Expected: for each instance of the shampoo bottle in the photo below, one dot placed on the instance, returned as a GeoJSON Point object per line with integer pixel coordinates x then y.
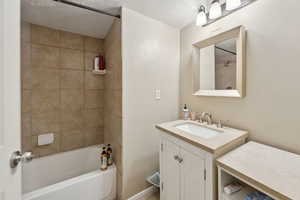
{"type": "Point", "coordinates": [101, 63]}
{"type": "Point", "coordinates": [103, 160]}
{"type": "Point", "coordinates": [96, 63]}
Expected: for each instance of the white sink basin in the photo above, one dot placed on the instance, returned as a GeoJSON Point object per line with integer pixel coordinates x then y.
{"type": "Point", "coordinates": [198, 130]}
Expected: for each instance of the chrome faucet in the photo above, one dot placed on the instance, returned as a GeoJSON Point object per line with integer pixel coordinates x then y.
{"type": "Point", "coordinates": [206, 117]}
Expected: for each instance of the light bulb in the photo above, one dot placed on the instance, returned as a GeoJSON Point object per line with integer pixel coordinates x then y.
{"type": "Point", "coordinates": [201, 17]}
{"type": "Point", "coordinates": [233, 4]}
{"type": "Point", "coordinates": [215, 10]}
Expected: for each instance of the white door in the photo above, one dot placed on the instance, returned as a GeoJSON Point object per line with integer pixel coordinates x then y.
{"type": "Point", "coordinates": [10, 120]}
{"type": "Point", "coordinates": [170, 171]}
{"type": "Point", "coordinates": [192, 176]}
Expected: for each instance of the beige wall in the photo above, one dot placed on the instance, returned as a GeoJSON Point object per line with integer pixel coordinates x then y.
{"type": "Point", "coordinates": [59, 92]}
{"type": "Point", "coordinates": [150, 52]}
{"type": "Point", "coordinates": [113, 97]}
{"type": "Point", "coordinates": [270, 110]}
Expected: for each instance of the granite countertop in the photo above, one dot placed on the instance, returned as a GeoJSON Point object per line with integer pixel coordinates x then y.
{"type": "Point", "coordinates": [214, 144]}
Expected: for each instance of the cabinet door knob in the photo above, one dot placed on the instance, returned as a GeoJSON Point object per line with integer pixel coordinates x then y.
{"type": "Point", "coordinates": [176, 157]}
{"type": "Point", "coordinates": [180, 160]}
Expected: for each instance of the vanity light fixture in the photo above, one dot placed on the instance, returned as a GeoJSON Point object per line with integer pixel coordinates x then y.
{"type": "Point", "coordinates": [215, 10]}
{"type": "Point", "coordinates": [218, 10]}
{"type": "Point", "coordinates": [233, 4]}
{"type": "Point", "coordinates": [201, 17]}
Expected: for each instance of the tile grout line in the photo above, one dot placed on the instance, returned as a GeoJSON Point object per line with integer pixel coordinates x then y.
{"type": "Point", "coordinates": [60, 46]}
{"type": "Point", "coordinates": [59, 96]}
{"type": "Point", "coordinates": [84, 94]}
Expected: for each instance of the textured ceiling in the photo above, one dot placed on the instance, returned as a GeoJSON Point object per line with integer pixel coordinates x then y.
{"type": "Point", "coordinates": [177, 13]}
{"type": "Point", "coordinates": [67, 18]}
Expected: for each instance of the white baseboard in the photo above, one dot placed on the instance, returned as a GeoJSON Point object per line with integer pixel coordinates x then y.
{"type": "Point", "coordinates": [143, 195]}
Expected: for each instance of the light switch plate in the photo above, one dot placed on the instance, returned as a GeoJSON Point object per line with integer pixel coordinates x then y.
{"type": "Point", "coordinates": [157, 94]}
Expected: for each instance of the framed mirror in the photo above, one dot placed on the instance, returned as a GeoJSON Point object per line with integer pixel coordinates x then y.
{"type": "Point", "coordinates": [219, 65]}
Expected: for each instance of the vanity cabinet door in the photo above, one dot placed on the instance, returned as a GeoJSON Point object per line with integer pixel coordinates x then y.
{"type": "Point", "coordinates": [192, 176]}
{"type": "Point", "coordinates": [170, 171]}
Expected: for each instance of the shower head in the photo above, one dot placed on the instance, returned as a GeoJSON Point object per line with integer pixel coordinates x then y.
{"type": "Point", "coordinates": [227, 63]}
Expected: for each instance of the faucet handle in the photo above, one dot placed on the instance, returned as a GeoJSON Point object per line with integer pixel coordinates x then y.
{"type": "Point", "coordinates": [220, 125]}
{"type": "Point", "coordinates": [209, 115]}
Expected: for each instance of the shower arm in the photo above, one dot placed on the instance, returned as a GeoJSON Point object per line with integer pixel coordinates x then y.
{"type": "Point", "coordinates": [87, 8]}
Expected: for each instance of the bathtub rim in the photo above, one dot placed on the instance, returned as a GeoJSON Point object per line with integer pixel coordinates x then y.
{"type": "Point", "coordinates": [66, 183]}
{"type": "Point", "coordinates": [64, 166]}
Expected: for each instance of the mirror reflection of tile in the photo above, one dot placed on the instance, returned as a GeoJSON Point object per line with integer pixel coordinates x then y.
{"type": "Point", "coordinates": [218, 66]}
{"type": "Point", "coordinates": [225, 65]}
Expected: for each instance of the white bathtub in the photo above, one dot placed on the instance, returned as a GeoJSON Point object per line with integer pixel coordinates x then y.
{"type": "Point", "coordinates": [72, 175]}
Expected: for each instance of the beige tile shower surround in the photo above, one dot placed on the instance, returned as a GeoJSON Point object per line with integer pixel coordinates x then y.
{"type": "Point", "coordinates": [113, 97]}
{"type": "Point", "coordinates": [59, 92]}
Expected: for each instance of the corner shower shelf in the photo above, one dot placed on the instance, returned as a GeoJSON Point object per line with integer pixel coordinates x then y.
{"type": "Point", "coordinates": [99, 72]}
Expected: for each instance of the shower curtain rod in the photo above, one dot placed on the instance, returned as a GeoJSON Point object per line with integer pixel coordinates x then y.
{"type": "Point", "coordinates": [86, 7]}
{"type": "Point", "coordinates": [226, 50]}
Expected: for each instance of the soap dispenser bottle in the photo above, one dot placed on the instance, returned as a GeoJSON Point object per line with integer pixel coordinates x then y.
{"type": "Point", "coordinates": [185, 112]}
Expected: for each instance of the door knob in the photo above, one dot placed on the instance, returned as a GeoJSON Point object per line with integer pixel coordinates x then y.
{"type": "Point", "coordinates": [18, 157]}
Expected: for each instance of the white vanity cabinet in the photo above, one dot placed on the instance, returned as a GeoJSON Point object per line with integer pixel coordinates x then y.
{"type": "Point", "coordinates": [170, 171]}
{"type": "Point", "coordinates": [188, 160]}
{"type": "Point", "coordinates": [185, 171]}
